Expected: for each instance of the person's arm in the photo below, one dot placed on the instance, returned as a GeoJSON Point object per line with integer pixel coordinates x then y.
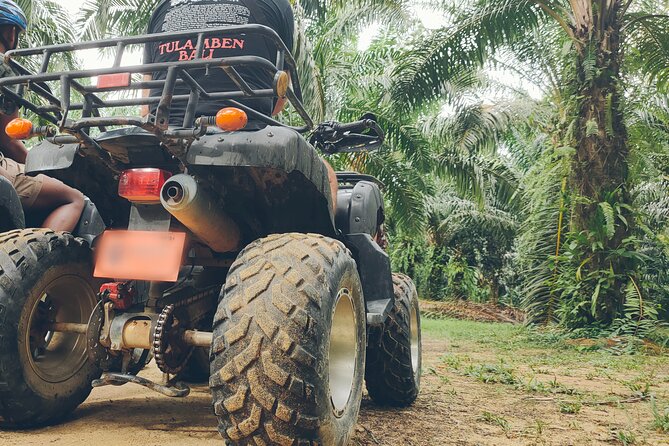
{"type": "Point", "coordinates": [145, 94]}
{"type": "Point", "coordinates": [11, 148]}
{"type": "Point", "coordinates": [147, 58]}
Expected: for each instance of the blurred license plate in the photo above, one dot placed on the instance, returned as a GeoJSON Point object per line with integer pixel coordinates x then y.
{"type": "Point", "coordinates": [140, 255]}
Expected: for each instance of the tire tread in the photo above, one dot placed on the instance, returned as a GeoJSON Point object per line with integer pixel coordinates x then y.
{"type": "Point", "coordinates": [262, 399]}
{"type": "Point", "coordinates": [21, 253]}
{"type": "Point", "coordinates": [389, 373]}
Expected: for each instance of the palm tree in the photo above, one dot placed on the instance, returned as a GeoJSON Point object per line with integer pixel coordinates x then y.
{"type": "Point", "coordinates": [48, 23]}
{"type": "Point", "coordinates": [598, 34]}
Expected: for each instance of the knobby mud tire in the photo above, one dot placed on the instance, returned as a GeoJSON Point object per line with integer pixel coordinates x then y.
{"type": "Point", "coordinates": [391, 375]}
{"type": "Point", "coordinates": [270, 356]}
{"type": "Point", "coordinates": [32, 262]}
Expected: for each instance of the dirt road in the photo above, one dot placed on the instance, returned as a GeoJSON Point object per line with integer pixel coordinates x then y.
{"type": "Point", "coordinates": [132, 415]}
{"type": "Point", "coordinates": [480, 387]}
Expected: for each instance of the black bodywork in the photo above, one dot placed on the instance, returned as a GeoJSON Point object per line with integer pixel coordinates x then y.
{"type": "Point", "coordinates": [269, 180]}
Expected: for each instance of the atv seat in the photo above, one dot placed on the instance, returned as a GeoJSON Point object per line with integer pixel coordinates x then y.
{"type": "Point", "coordinates": [133, 145]}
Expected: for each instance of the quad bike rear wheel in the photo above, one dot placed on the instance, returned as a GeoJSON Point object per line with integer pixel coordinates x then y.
{"type": "Point", "coordinates": [45, 277]}
{"type": "Point", "coordinates": [289, 344]}
{"type": "Point", "coordinates": [394, 356]}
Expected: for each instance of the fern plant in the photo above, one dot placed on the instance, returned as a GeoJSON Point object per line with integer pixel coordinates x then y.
{"type": "Point", "coordinates": [639, 316]}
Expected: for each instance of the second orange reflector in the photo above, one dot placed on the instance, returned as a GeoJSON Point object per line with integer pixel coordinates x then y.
{"type": "Point", "coordinates": [231, 119]}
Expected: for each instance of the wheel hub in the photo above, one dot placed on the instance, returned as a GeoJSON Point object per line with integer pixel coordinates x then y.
{"type": "Point", "coordinates": [414, 339]}
{"type": "Point", "coordinates": [55, 356]}
{"type": "Point", "coordinates": [343, 352]}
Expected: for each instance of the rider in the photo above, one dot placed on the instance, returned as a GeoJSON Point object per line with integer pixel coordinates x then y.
{"type": "Point", "coordinates": [182, 15]}
{"type": "Point", "coordinates": [39, 194]}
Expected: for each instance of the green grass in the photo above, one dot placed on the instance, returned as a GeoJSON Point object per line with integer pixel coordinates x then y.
{"type": "Point", "coordinates": [495, 420]}
{"type": "Point", "coordinates": [660, 417]}
{"type": "Point", "coordinates": [536, 348]}
{"type": "Point", "coordinates": [492, 373]}
{"type": "Point", "coordinates": [456, 330]}
{"type": "Point", "coordinates": [625, 438]}
{"type": "Point", "coordinates": [570, 407]}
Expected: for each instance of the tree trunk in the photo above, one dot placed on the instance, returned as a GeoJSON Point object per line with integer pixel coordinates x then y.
{"type": "Point", "coordinates": [601, 161]}
{"type": "Point", "coordinates": [494, 290]}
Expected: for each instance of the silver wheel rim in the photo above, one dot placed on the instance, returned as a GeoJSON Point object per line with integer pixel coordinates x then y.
{"type": "Point", "coordinates": [56, 356]}
{"type": "Point", "coordinates": [414, 339]}
{"type": "Point", "coordinates": [343, 352]}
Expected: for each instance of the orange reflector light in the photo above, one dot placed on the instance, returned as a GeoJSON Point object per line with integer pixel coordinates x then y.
{"type": "Point", "coordinates": [113, 80]}
{"type": "Point", "coordinates": [142, 185]}
{"type": "Point", "coordinates": [231, 119]}
{"type": "Point", "coordinates": [19, 128]}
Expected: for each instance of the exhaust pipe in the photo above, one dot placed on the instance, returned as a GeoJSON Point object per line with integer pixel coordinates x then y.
{"type": "Point", "coordinates": [199, 211]}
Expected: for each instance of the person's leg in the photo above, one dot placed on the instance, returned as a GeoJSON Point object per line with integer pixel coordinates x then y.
{"type": "Point", "coordinates": [63, 203]}
{"type": "Point", "coordinates": [334, 184]}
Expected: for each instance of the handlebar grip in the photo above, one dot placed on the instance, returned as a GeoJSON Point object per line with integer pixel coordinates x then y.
{"type": "Point", "coordinates": [353, 126]}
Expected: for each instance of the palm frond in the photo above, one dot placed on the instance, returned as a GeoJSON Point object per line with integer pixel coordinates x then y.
{"type": "Point", "coordinates": [648, 39]}
{"type": "Point", "coordinates": [101, 19]}
{"type": "Point", "coordinates": [464, 45]}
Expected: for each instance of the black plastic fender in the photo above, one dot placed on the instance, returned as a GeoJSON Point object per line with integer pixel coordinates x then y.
{"type": "Point", "coordinates": [90, 224]}
{"type": "Point", "coordinates": [46, 156]}
{"type": "Point", "coordinates": [11, 212]}
{"type": "Point", "coordinates": [375, 275]}
{"type": "Point", "coordinates": [359, 208]}
{"type": "Point", "coordinates": [360, 212]}
{"type": "Point", "coordinates": [270, 180]}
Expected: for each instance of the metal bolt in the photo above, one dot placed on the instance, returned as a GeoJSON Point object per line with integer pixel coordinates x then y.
{"type": "Point", "coordinates": [357, 219]}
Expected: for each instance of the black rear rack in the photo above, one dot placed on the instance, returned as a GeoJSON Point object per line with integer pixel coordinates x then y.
{"type": "Point", "coordinates": [56, 110]}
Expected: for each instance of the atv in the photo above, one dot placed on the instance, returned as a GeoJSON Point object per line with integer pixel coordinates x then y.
{"type": "Point", "coordinates": [213, 247]}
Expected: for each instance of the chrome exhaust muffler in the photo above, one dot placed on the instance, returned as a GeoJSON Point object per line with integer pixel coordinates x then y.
{"type": "Point", "coordinates": [198, 210]}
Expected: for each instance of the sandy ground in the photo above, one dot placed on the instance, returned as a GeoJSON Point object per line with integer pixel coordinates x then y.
{"type": "Point", "coordinates": [448, 412]}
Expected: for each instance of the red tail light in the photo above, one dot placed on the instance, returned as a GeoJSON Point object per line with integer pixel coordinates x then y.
{"type": "Point", "coordinates": [142, 185]}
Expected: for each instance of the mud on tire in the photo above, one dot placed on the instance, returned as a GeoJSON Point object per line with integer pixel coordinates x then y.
{"type": "Point", "coordinates": [392, 372]}
{"type": "Point", "coordinates": [43, 377]}
{"type": "Point", "coordinates": [272, 352]}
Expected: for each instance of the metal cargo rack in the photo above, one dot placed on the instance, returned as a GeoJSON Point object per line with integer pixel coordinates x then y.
{"type": "Point", "coordinates": [56, 110]}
